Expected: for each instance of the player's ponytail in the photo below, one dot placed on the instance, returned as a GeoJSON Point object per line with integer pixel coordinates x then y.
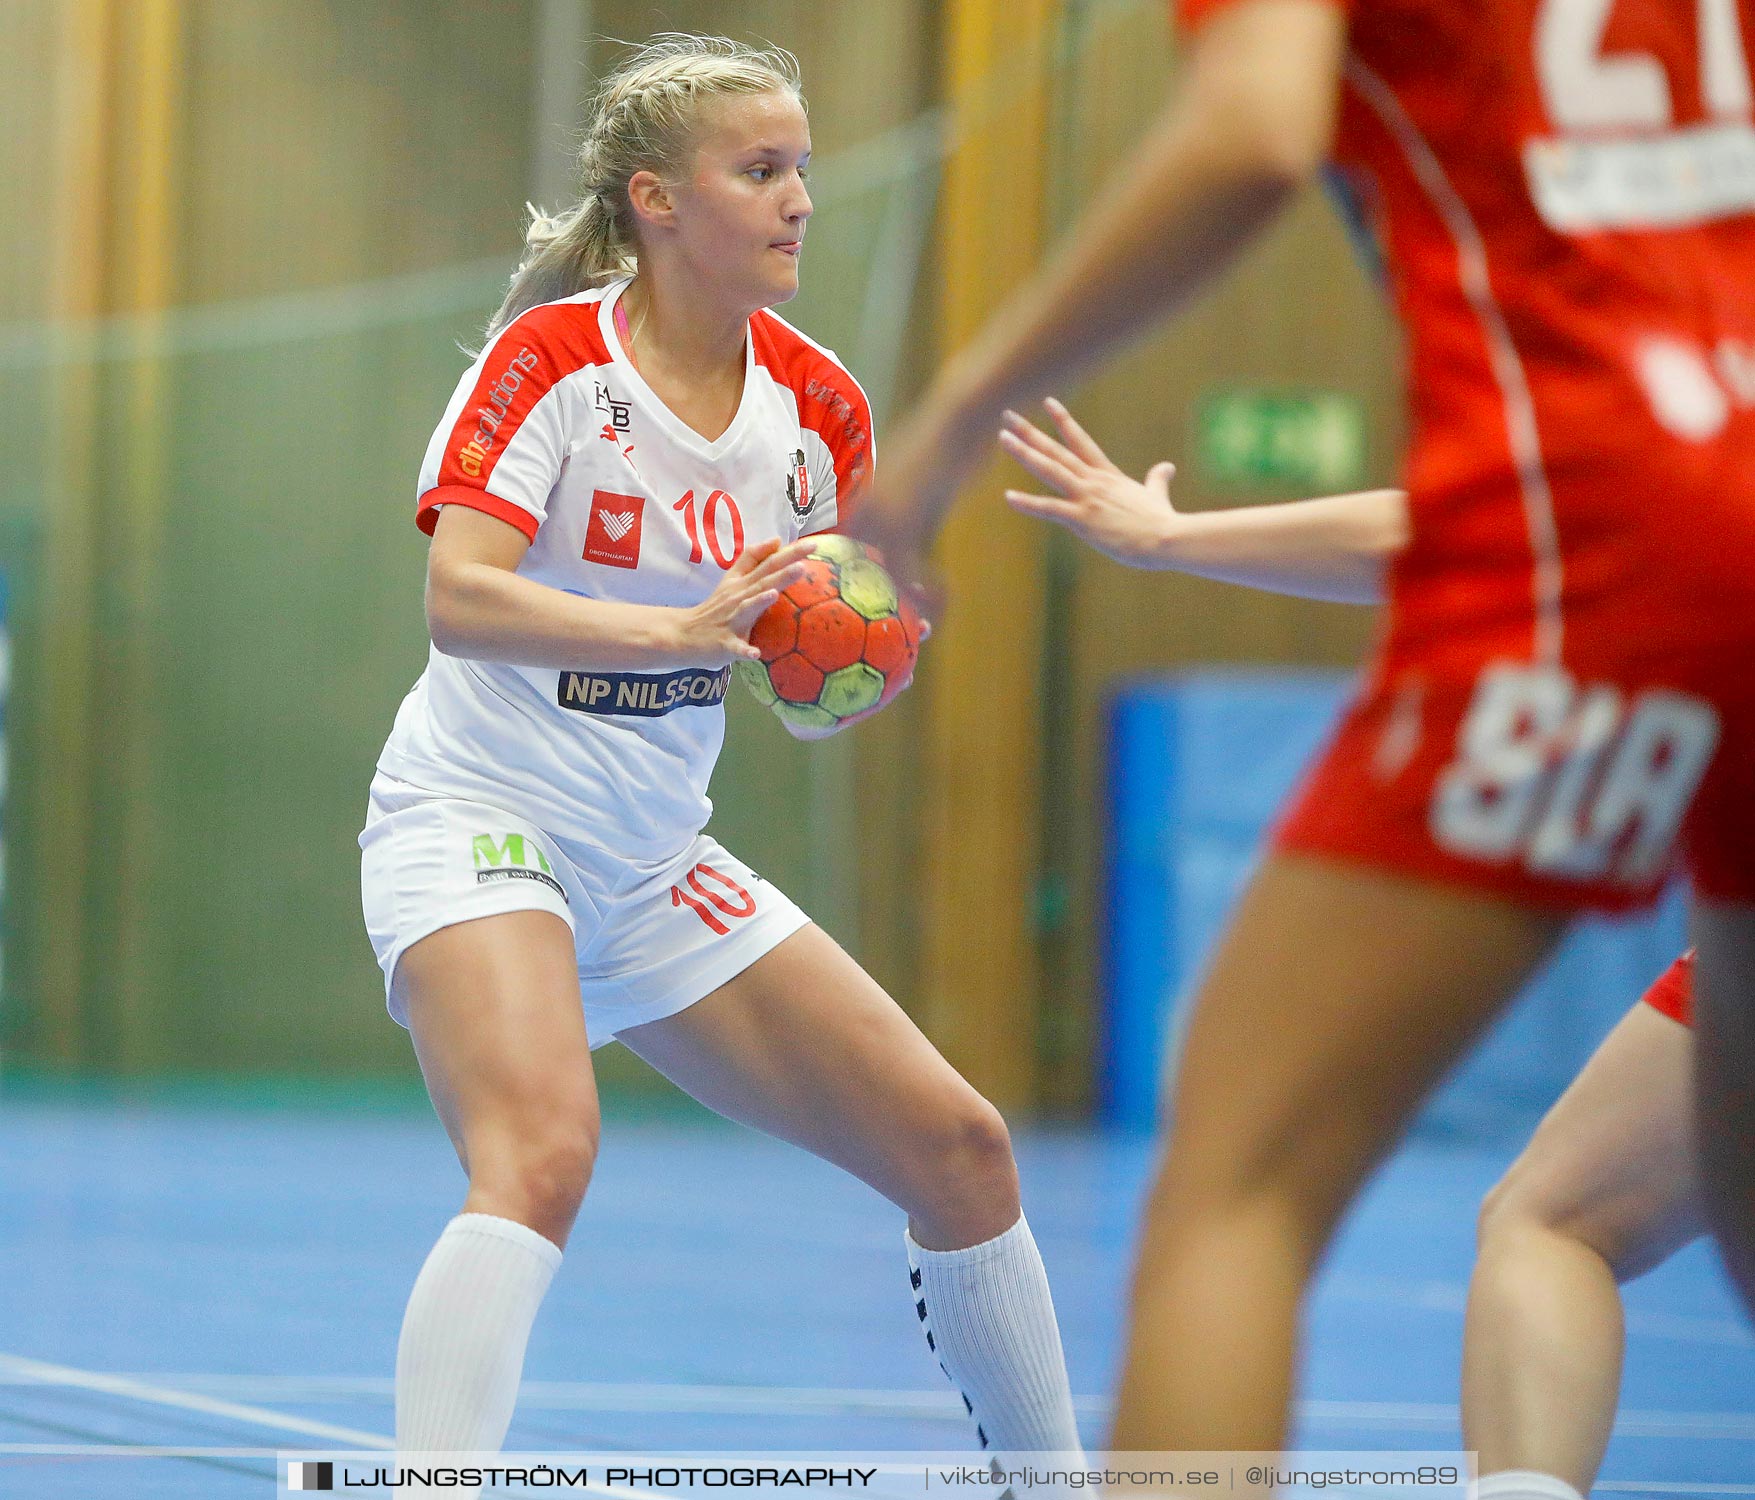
{"type": "Point", "coordinates": [643, 119]}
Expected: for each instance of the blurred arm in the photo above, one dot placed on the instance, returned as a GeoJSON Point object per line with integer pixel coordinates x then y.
{"type": "Point", "coordinates": [1250, 125]}
{"type": "Point", "coordinates": [1332, 548]}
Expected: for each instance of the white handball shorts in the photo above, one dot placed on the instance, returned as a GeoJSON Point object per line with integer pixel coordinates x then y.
{"type": "Point", "coordinates": [651, 939]}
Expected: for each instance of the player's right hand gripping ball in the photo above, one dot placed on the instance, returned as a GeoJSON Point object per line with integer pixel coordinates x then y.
{"type": "Point", "coordinates": [837, 645]}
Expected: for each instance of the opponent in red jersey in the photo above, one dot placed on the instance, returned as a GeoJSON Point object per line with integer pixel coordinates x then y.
{"type": "Point", "coordinates": [1565, 194]}
{"type": "Point", "coordinates": [1607, 1188]}
{"type": "Point", "coordinates": [1605, 1191]}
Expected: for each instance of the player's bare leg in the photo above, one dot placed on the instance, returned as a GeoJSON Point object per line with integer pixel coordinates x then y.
{"type": "Point", "coordinates": [493, 1006]}
{"type": "Point", "coordinates": [1605, 1190]}
{"type": "Point", "coordinates": [494, 1011]}
{"type": "Point", "coordinates": [806, 1046]}
{"type": "Point", "coordinates": [1724, 1027]}
{"type": "Point", "coordinates": [1337, 998]}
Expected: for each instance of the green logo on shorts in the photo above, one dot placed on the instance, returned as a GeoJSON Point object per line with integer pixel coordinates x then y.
{"type": "Point", "coordinates": [509, 859]}
{"type": "Point", "coordinates": [511, 849]}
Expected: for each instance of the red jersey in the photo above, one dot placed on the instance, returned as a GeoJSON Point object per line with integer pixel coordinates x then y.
{"type": "Point", "coordinates": [1564, 193]}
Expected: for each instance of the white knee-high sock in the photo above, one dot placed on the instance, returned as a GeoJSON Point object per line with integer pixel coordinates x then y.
{"type": "Point", "coordinates": [463, 1336]}
{"type": "Point", "coordinates": [989, 1320]}
{"type": "Point", "coordinates": [1525, 1484]}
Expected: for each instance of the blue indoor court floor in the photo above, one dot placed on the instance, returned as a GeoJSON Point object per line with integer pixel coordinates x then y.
{"type": "Point", "coordinates": [224, 1278]}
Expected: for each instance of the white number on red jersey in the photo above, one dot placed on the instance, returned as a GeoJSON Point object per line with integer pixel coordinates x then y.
{"type": "Point", "coordinates": [1619, 158]}
{"type": "Point", "coordinates": [1587, 90]}
{"type": "Point", "coordinates": [1572, 781]}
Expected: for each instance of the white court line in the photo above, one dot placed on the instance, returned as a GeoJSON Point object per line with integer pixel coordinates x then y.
{"type": "Point", "coordinates": [735, 1400]}
{"type": "Point", "coordinates": [1690, 1330]}
{"type": "Point", "coordinates": [1451, 1297]}
{"type": "Point", "coordinates": [127, 1450]}
{"type": "Point", "coordinates": [568, 1395]}
{"type": "Point", "coordinates": [584, 1396]}
{"type": "Point", "coordinates": [1439, 1415]}
{"type": "Point", "coordinates": [1671, 1487]}
{"type": "Point", "coordinates": [23, 1371]}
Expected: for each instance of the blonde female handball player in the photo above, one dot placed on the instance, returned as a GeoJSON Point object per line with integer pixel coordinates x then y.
{"type": "Point", "coordinates": [613, 495]}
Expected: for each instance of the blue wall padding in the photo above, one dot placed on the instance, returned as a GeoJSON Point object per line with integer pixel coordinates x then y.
{"type": "Point", "coordinates": [1198, 765]}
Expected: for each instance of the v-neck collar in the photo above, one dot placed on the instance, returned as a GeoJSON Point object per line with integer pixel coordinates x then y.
{"type": "Point", "coordinates": [677, 430]}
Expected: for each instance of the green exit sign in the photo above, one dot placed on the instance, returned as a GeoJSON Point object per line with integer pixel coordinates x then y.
{"type": "Point", "coordinates": [1279, 439]}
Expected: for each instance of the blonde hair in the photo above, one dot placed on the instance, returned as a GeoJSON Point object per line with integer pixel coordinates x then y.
{"type": "Point", "coordinates": [643, 119]}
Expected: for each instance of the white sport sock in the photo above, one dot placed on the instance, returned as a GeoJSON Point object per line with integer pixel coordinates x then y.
{"type": "Point", "coordinates": [463, 1336]}
{"type": "Point", "coordinates": [989, 1319]}
{"type": "Point", "coordinates": [1525, 1484]}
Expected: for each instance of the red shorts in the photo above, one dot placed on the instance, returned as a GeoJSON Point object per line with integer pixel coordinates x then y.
{"type": "Point", "coordinates": [1562, 711]}
{"type": "Point", "coordinates": [1673, 991]}
{"type": "Point", "coordinates": [1533, 784]}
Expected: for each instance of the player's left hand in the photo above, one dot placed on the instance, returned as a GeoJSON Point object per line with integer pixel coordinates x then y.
{"type": "Point", "coordinates": [1119, 516]}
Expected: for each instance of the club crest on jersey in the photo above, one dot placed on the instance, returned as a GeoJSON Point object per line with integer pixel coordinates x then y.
{"type": "Point", "coordinates": [798, 494]}
{"type": "Point", "coordinates": [612, 534]}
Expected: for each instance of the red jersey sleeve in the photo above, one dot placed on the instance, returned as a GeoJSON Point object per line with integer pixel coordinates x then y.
{"type": "Point", "coordinates": [500, 444]}
{"type": "Point", "coordinates": [839, 455]}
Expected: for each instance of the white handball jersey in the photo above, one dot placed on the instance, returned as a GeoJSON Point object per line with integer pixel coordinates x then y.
{"type": "Point", "coordinates": [553, 430]}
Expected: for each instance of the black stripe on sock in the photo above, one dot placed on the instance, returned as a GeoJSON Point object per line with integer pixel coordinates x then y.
{"type": "Point", "coordinates": [932, 1345]}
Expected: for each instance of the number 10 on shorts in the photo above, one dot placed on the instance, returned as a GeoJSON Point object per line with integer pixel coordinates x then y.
{"type": "Point", "coordinates": [715, 898]}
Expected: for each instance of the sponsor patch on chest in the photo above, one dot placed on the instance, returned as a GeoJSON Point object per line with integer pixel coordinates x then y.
{"type": "Point", "coordinates": [642, 695]}
{"type": "Point", "coordinates": [612, 534]}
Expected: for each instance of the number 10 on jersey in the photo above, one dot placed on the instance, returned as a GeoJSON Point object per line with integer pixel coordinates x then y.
{"type": "Point", "coordinates": [706, 521]}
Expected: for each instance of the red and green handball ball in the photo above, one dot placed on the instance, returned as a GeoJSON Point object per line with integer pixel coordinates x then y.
{"type": "Point", "coordinates": [837, 645]}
